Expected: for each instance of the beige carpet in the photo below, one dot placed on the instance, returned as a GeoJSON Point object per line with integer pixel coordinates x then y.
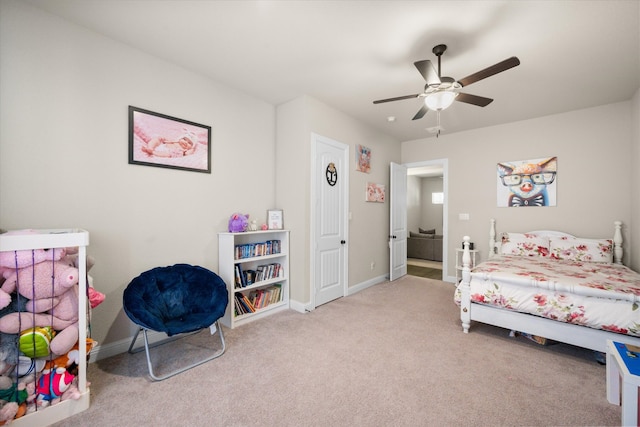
{"type": "Point", "coordinates": [391, 355]}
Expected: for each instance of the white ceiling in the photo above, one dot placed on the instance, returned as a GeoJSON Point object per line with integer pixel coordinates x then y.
{"type": "Point", "coordinates": [574, 54]}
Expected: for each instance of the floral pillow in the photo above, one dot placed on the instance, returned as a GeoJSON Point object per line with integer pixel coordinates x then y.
{"type": "Point", "coordinates": [585, 250]}
{"type": "Point", "coordinates": [527, 244]}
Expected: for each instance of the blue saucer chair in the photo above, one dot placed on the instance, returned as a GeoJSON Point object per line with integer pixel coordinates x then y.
{"type": "Point", "coordinates": [176, 300]}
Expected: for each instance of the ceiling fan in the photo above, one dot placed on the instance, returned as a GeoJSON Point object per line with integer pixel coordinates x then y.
{"type": "Point", "coordinates": [440, 92]}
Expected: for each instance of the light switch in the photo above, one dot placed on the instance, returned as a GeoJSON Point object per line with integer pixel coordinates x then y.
{"type": "Point", "coordinates": [463, 217]}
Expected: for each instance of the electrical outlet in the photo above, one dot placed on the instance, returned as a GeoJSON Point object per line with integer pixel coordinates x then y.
{"type": "Point", "coordinates": [373, 265]}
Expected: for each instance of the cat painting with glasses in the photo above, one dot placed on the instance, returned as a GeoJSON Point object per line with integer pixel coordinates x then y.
{"type": "Point", "coordinates": [527, 182]}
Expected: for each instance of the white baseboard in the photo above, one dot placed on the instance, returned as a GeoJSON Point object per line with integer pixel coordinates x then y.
{"type": "Point", "coordinates": [298, 306]}
{"type": "Point", "coordinates": [366, 284]}
{"type": "Point", "coordinates": [303, 307]}
{"type": "Point", "coordinates": [122, 346]}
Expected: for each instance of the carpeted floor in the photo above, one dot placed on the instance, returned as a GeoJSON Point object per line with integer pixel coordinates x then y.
{"type": "Point", "coordinates": [426, 272]}
{"type": "Point", "coordinates": [393, 354]}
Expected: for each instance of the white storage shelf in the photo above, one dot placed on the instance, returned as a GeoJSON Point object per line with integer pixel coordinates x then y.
{"type": "Point", "coordinates": [459, 252]}
{"type": "Point", "coordinates": [51, 239]}
{"type": "Point", "coordinates": [227, 262]}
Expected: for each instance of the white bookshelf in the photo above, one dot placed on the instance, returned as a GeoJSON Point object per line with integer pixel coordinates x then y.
{"type": "Point", "coordinates": [49, 239]}
{"type": "Point", "coordinates": [227, 263]}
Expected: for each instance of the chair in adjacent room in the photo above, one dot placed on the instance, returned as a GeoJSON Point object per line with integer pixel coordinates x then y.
{"type": "Point", "coordinates": [175, 300]}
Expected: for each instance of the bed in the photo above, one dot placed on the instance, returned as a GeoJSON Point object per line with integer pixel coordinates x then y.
{"type": "Point", "coordinates": [554, 285]}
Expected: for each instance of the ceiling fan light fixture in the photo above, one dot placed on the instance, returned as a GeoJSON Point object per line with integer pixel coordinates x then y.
{"type": "Point", "coordinates": [440, 100]}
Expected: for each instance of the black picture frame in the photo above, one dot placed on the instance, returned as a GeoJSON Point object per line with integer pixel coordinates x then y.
{"type": "Point", "coordinates": [160, 140]}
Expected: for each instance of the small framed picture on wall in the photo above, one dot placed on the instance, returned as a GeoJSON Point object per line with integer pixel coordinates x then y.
{"type": "Point", "coordinates": [274, 219]}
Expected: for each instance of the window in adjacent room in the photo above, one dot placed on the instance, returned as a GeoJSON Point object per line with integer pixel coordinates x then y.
{"type": "Point", "coordinates": [437, 198]}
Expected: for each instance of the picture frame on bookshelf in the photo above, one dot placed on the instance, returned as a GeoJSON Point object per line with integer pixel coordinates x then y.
{"type": "Point", "coordinates": [163, 141]}
{"type": "Point", "coordinates": [275, 219]}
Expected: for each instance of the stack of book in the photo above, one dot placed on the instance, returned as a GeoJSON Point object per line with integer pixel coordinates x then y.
{"type": "Point", "coordinates": [262, 272]}
{"type": "Point", "coordinates": [250, 250]}
{"type": "Point", "coordinates": [257, 299]}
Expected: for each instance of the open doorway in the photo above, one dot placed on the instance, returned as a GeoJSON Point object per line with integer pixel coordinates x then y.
{"type": "Point", "coordinates": [427, 219]}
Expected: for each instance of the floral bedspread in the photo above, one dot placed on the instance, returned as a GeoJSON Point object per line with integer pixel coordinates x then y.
{"type": "Point", "coordinates": [598, 295]}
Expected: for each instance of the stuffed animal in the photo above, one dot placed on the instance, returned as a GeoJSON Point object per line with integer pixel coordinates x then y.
{"type": "Point", "coordinates": [46, 279]}
{"type": "Point", "coordinates": [71, 359]}
{"type": "Point", "coordinates": [63, 317]}
{"type": "Point", "coordinates": [8, 352]}
{"type": "Point", "coordinates": [71, 259]}
{"type": "Point", "coordinates": [8, 412]}
{"type": "Point", "coordinates": [21, 259]}
{"type": "Point", "coordinates": [95, 297]}
{"type": "Point", "coordinates": [41, 283]}
{"type": "Point", "coordinates": [12, 392]}
{"type": "Point", "coordinates": [14, 397]}
{"type": "Point", "coordinates": [52, 385]}
{"type": "Point", "coordinates": [238, 223]}
{"type": "Point", "coordinates": [34, 342]}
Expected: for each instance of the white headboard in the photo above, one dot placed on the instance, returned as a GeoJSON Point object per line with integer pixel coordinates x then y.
{"type": "Point", "coordinates": [494, 244]}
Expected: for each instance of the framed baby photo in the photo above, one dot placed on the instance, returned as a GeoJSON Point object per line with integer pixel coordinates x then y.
{"type": "Point", "coordinates": [159, 140]}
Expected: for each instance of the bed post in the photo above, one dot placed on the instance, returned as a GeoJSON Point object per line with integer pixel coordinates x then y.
{"type": "Point", "coordinates": [492, 238]}
{"type": "Point", "coordinates": [617, 243]}
{"type": "Point", "coordinates": [465, 288]}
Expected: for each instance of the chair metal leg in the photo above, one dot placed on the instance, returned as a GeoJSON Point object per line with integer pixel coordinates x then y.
{"type": "Point", "coordinates": [147, 348]}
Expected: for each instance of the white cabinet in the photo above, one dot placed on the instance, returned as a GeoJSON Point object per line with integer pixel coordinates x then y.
{"type": "Point", "coordinates": [49, 239]}
{"type": "Point", "coordinates": [255, 267]}
{"type": "Point", "coordinates": [459, 252]}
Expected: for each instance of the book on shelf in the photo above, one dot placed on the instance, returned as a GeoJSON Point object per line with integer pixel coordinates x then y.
{"type": "Point", "coordinates": [257, 299]}
{"type": "Point", "coordinates": [240, 279]}
{"type": "Point", "coordinates": [250, 277]}
{"type": "Point", "coordinates": [251, 250]}
{"type": "Point", "coordinates": [268, 271]}
{"type": "Point", "coordinates": [243, 305]}
{"type": "Point", "coordinates": [261, 298]}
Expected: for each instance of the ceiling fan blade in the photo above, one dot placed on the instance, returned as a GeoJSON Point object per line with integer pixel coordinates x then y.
{"type": "Point", "coordinates": [398, 98]}
{"type": "Point", "coordinates": [421, 112]}
{"type": "Point", "coordinates": [480, 101]}
{"type": "Point", "coordinates": [425, 67]}
{"type": "Point", "coordinates": [490, 71]}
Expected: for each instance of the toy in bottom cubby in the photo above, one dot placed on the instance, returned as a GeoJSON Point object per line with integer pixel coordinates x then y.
{"type": "Point", "coordinates": [39, 327]}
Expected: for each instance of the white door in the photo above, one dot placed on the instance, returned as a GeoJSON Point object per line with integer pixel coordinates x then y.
{"type": "Point", "coordinates": [398, 222]}
{"type": "Point", "coordinates": [329, 221]}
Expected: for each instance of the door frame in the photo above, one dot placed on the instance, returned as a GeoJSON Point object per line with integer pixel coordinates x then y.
{"type": "Point", "coordinates": [445, 209]}
{"type": "Point", "coordinates": [315, 177]}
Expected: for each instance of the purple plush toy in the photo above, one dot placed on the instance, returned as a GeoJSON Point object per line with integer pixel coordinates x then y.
{"type": "Point", "coordinates": [238, 222]}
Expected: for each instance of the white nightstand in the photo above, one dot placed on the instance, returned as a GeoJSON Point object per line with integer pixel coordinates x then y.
{"type": "Point", "coordinates": [459, 252]}
{"type": "Point", "coordinates": [623, 365]}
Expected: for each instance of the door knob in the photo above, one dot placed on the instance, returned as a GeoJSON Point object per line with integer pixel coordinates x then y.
{"type": "Point", "coordinates": [342, 242]}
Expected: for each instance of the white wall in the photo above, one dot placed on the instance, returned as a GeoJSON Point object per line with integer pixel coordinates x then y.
{"type": "Point", "coordinates": [421, 212]}
{"type": "Point", "coordinates": [414, 203]}
{"type": "Point", "coordinates": [64, 153]}
{"type": "Point", "coordinates": [594, 184]}
{"type": "Point", "coordinates": [431, 213]}
{"type": "Point", "coordinates": [369, 228]}
{"type": "Point", "coordinates": [634, 253]}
